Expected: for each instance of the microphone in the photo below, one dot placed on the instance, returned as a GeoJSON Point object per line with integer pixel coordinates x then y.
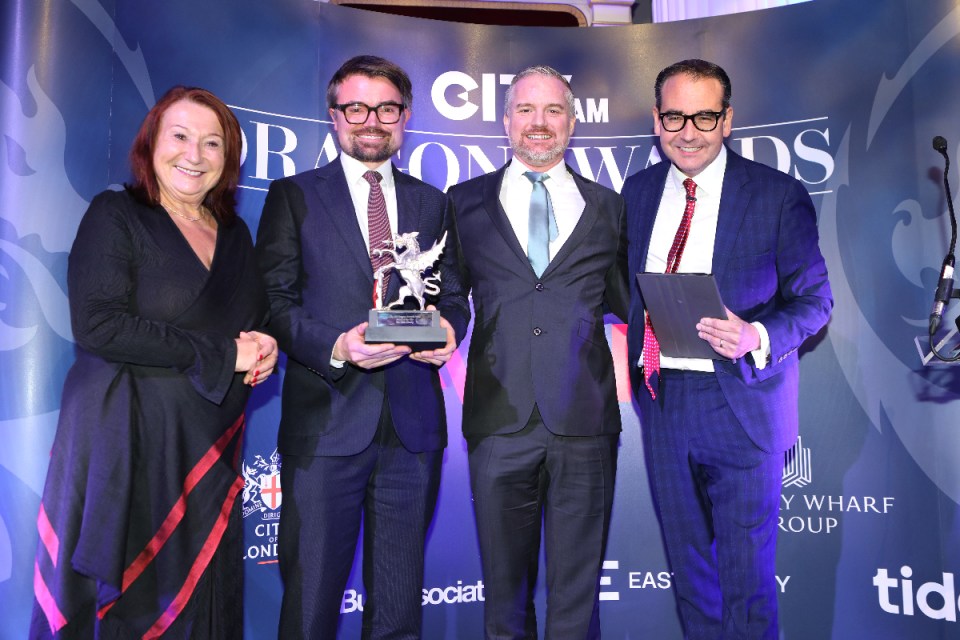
{"type": "Point", "coordinates": [944, 291]}
{"type": "Point", "coordinates": [940, 145]}
{"type": "Point", "coordinates": [945, 286]}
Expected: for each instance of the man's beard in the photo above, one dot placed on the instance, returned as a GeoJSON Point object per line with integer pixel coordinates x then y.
{"type": "Point", "coordinates": [538, 158]}
{"type": "Point", "coordinates": [367, 153]}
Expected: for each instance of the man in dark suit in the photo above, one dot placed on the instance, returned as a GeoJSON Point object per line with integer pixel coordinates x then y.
{"type": "Point", "coordinates": [715, 430]}
{"type": "Point", "coordinates": [363, 425]}
{"type": "Point", "coordinates": [544, 250]}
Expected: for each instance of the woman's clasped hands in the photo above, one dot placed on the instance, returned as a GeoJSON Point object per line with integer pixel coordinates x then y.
{"type": "Point", "coordinates": [256, 356]}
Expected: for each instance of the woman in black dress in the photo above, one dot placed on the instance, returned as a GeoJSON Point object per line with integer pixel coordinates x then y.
{"type": "Point", "coordinates": [140, 530]}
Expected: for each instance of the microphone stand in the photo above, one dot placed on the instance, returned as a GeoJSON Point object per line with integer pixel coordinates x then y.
{"type": "Point", "coordinates": [945, 290]}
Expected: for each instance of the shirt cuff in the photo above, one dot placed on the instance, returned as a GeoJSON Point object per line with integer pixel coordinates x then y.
{"type": "Point", "coordinates": [336, 364]}
{"type": "Point", "coordinates": [761, 355]}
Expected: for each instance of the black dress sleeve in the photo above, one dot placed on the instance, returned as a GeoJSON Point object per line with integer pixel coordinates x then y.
{"type": "Point", "coordinates": [102, 279]}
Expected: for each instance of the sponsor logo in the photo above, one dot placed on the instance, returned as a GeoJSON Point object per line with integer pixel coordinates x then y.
{"type": "Point", "coordinates": [610, 578]}
{"type": "Point", "coordinates": [903, 597]}
{"type": "Point", "coordinates": [818, 513]}
{"type": "Point", "coordinates": [261, 488]}
{"type": "Point", "coordinates": [262, 497]}
{"type": "Point", "coordinates": [797, 471]}
{"type": "Point", "coordinates": [458, 96]}
{"type": "Point", "coordinates": [459, 593]}
{"type": "Point", "coordinates": [454, 594]}
{"type": "Point", "coordinates": [644, 580]}
{"type": "Point", "coordinates": [352, 601]}
{"type": "Point", "coordinates": [606, 581]}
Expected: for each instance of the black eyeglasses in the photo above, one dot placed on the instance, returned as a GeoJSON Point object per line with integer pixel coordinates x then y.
{"type": "Point", "coordinates": [357, 112]}
{"type": "Point", "coordinates": [674, 121]}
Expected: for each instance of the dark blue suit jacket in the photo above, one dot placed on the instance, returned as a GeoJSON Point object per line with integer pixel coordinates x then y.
{"type": "Point", "coordinates": [768, 267]}
{"type": "Point", "coordinates": [320, 283]}
{"type": "Point", "coordinates": [541, 340]}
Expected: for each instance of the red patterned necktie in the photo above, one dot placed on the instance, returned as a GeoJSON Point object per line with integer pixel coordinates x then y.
{"type": "Point", "coordinates": [651, 346]}
{"type": "Point", "coordinates": [378, 225]}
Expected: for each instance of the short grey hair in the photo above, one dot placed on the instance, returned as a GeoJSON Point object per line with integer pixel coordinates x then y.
{"type": "Point", "coordinates": [540, 70]}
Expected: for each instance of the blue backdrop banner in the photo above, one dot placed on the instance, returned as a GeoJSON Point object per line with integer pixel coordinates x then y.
{"type": "Point", "coordinates": [845, 99]}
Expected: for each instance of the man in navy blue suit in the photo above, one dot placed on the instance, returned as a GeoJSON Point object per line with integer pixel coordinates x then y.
{"type": "Point", "coordinates": [544, 252]}
{"type": "Point", "coordinates": [715, 430]}
{"type": "Point", "coordinates": [363, 426]}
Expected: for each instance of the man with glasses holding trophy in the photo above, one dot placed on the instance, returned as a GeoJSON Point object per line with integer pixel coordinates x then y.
{"type": "Point", "coordinates": [715, 429]}
{"type": "Point", "coordinates": [363, 424]}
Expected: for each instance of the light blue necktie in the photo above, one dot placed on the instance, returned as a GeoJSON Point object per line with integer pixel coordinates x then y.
{"type": "Point", "coordinates": [542, 224]}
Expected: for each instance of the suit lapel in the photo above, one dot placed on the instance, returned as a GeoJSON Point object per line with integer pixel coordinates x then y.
{"type": "Point", "coordinates": [334, 195]}
{"type": "Point", "coordinates": [647, 207]}
{"type": "Point", "coordinates": [591, 210]}
{"type": "Point", "coordinates": [491, 202]}
{"type": "Point", "coordinates": [734, 201]}
{"type": "Point", "coordinates": [408, 204]}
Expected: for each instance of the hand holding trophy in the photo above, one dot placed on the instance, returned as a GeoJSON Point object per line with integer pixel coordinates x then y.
{"type": "Point", "coordinates": [419, 329]}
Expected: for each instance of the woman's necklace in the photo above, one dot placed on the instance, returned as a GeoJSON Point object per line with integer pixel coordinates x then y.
{"type": "Point", "coordinates": [203, 213]}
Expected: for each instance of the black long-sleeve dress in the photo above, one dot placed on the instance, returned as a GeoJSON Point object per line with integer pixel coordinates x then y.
{"type": "Point", "coordinates": [139, 524]}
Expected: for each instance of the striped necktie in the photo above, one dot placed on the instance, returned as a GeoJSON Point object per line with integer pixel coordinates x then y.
{"type": "Point", "coordinates": [651, 346]}
{"type": "Point", "coordinates": [378, 225]}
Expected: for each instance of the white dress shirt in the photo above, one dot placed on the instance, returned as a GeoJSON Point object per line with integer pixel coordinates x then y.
{"type": "Point", "coordinates": [353, 170]}
{"type": "Point", "coordinates": [698, 254]}
{"type": "Point", "coordinates": [565, 197]}
{"type": "Point", "coordinates": [359, 188]}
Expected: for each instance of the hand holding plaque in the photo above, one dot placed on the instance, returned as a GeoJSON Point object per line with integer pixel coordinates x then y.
{"type": "Point", "coordinates": [419, 329]}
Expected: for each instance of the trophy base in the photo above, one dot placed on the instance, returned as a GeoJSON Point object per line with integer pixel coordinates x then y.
{"type": "Point", "coordinates": [419, 330]}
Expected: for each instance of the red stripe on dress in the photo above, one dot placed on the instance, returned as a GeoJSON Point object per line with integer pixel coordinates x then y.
{"type": "Point", "coordinates": [48, 536]}
{"type": "Point", "coordinates": [50, 609]}
{"type": "Point", "coordinates": [200, 565]}
{"type": "Point", "coordinates": [621, 366]}
{"type": "Point", "coordinates": [173, 519]}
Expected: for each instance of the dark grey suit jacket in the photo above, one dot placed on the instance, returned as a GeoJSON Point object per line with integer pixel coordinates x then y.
{"type": "Point", "coordinates": [541, 340]}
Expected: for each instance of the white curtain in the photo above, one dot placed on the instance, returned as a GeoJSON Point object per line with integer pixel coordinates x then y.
{"type": "Point", "coordinates": [669, 10]}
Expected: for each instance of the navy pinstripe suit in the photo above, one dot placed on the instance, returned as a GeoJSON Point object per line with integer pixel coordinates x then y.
{"type": "Point", "coordinates": [715, 446]}
{"type": "Point", "coordinates": [353, 440]}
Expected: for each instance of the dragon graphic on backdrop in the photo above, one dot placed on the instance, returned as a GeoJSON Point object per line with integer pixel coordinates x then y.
{"type": "Point", "coordinates": [874, 346]}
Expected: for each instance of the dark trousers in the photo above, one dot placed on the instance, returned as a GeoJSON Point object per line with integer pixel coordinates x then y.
{"type": "Point", "coordinates": [518, 481]}
{"type": "Point", "coordinates": [394, 492]}
{"type": "Point", "coordinates": [718, 500]}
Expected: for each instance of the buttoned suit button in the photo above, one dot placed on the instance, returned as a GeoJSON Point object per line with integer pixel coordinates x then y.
{"type": "Point", "coordinates": [537, 331]}
{"type": "Point", "coordinates": [539, 286]}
